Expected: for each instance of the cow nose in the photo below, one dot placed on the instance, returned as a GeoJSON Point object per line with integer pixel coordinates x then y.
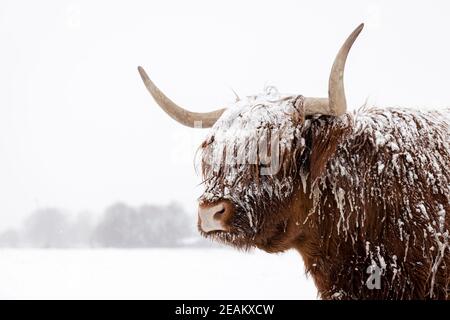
{"type": "Point", "coordinates": [216, 216]}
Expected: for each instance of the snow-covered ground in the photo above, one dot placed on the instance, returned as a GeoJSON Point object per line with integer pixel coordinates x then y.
{"type": "Point", "coordinates": [152, 274]}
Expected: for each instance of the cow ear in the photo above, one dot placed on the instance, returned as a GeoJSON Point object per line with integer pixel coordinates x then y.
{"type": "Point", "coordinates": [326, 135]}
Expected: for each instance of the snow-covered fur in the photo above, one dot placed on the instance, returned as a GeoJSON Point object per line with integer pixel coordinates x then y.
{"type": "Point", "coordinates": [366, 191]}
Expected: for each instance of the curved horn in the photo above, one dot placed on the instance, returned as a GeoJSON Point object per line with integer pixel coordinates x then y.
{"type": "Point", "coordinates": [183, 116]}
{"type": "Point", "coordinates": [336, 104]}
{"type": "Point", "coordinates": [336, 92]}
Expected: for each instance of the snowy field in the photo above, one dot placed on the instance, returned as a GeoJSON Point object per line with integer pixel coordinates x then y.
{"type": "Point", "coordinates": [152, 274]}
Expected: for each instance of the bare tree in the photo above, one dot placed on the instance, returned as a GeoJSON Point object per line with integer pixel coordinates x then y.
{"type": "Point", "coordinates": [9, 239]}
{"type": "Point", "coordinates": [47, 228]}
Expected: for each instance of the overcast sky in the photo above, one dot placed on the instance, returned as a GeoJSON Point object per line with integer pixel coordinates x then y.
{"type": "Point", "coordinates": [79, 131]}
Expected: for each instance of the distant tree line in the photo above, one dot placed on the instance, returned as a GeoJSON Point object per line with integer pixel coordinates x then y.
{"type": "Point", "coordinates": [120, 226]}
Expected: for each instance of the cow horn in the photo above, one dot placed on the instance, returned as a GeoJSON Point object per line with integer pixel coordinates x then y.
{"type": "Point", "coordinates": [183, 116]}
{"type": "Point", "coordinates": [336, 104]}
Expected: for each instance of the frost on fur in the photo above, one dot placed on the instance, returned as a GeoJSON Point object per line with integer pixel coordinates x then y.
{"type": "Point", "coordinates": [374, 186]}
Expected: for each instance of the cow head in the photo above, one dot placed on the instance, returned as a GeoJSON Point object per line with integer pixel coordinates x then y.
{"type": "Point", "coordinates": [252, 159]}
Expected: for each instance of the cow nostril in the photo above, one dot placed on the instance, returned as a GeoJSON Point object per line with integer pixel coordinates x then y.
{"type": "Point", "coordinates": [215, 217]}
{"type": "Point", "coordinates": [219, 213]}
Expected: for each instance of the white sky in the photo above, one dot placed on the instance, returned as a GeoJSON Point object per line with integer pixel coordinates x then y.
{"type": "Point", "coordinates": [79, 131]}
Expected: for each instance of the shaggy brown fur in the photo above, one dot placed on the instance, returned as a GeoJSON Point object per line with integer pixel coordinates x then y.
{"type": "Point", "coordinates": [365, 190]}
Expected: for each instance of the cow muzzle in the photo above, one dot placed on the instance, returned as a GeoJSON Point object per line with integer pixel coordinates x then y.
{"type": "Point", "coordinates": [215, 216]}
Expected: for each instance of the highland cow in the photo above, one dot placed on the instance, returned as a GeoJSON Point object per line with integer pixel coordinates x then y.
{"type": "Point", "coordinates": [363, 195]}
